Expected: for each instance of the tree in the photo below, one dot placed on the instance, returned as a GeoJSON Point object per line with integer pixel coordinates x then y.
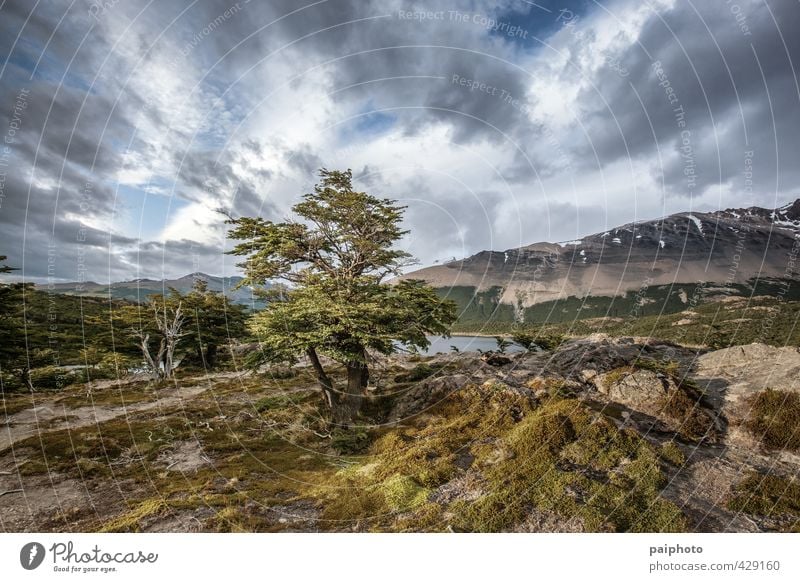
{"type": "Point", "coordinates": [524, 339]}
{"type": "Point", "coordinates": [5, 268]}
{"type": "Point", "coordinates": [502, 344]}
{"type": "Point", "coordinates": [334, 301]}
{"type": "Point", "coordinates": [162, 319]}
{"type": "Point", "coordinates": [211, 321]}
{"type": "Point", "coordinates": [15, 365]}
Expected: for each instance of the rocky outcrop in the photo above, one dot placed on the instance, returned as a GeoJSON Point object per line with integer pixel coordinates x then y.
{"type": "Point", "coordinates": [677, 407]}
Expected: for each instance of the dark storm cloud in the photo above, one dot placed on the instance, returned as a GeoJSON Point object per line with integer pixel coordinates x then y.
{"type": "Point", "coordinates": [737, 90]}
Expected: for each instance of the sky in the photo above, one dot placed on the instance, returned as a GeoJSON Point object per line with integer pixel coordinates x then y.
{"type": "Point", "coordinates": [128, 125]}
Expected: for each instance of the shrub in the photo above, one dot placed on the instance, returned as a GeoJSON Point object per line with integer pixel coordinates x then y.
{"type": "Point", "coordinates": [695, 424]}
{"type": "Point", "coordinates": [549, 341]}
{"type": "Point", "coordinates": [52, 378]}
{"type": "Point", "coordinates": [502, 344]}
{"type": "Point", "coordinates": [526, 340]}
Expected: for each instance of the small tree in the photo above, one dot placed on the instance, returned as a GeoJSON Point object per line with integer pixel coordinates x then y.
{"type": "Point", "coordinates": [502, 344]}
{"type": "Point", "coordinates": [334, 261]}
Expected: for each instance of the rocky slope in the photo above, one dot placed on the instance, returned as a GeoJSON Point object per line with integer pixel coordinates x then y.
{"type": "Point", "coordinates": [700, 410]}
{"type": "Point", "coordinates": [727, 247]}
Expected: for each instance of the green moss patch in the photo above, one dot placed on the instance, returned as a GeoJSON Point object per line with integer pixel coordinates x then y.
{"type": "Point", "coordinates": [771, 496]}
{"type": "Point", "coordinates": [774, 419]}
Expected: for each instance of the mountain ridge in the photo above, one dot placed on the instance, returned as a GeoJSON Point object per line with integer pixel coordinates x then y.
{"type": "Point", "coordinates": [731, 246]}
{"type": "Point", "coordinates": [140, 288]}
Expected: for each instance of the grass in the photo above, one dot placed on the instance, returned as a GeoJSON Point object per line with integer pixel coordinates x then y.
{"type": "Point", "coordinates": [774, 419]}
{"type": "Point", "coordinates": [131, 520]}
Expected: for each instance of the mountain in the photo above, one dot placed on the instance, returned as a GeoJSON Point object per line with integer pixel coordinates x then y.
{"type": "Point", "coordinates": [140, 289]}
{"type": "Point", "coordinates": [656, 264]}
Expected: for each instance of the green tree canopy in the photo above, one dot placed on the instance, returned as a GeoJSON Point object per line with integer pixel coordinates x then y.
{"type": "Point", "coordinates": [211, 321]}
{"type": "Point", "coordinates": [333, 261]}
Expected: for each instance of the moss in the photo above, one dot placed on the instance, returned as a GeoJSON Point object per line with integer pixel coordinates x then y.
{"type": "Point", "coordinates": [616, 375]}
{"type": "Point", "coordinates": [685, 407]}
{"type": "Point", "coordinates": [403, 493]}
{"type": "Point", "coordinates": [131, 520]}
{"type": "Point", "coordinates": [12, 404]}
{"type": "Point", "coordinates": [352, 501]}
{"type": "Point", "coordinates": [429, 517]}
{"type": "Point", "coordinates": [274, 402]}
{"type": "Point", "coordinates": [769, 495]}
{"type": "Point", "coordinates": [241, 518]}
{"type": "Point", "coordinates": [611, 479]}
{"type": "Point", "coordinates": [350, 441]}
{"type": "Point", "coordinates": [774, 418]}
{"type": "Point", "coordinates": [91, 468]}
{"type": "Point", "coordinates": [416, 459]}
{"type": "Point", "coordinates": [672, 453]}
{"type": "Point", "coordinates": [601, 446]}
{"type": "Point", "coordinates": [124, 394]}
{"type": "Point", "coordinates": [669, 368]}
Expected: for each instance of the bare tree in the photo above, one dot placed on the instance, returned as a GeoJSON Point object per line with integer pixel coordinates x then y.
{"type": "Point", "coordinates": [166, 325]}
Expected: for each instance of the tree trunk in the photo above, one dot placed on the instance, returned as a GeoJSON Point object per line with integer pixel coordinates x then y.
{"type": "Point", "coordinates": [144, 344]}
{"type": "Point", "coordinates": [344, 406]}
{"type": "Point", "coordinates": [350, 401]}
{"type": "Point", "coordinates": [323, 379]}
{"type": "Point", "coordinates": [211, 355]}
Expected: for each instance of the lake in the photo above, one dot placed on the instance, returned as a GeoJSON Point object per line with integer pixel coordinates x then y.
{"type": "Point", "coordinates": [464, 343]}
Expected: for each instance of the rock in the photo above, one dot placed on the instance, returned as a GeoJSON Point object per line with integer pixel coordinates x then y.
{"type": "Point", "coordinates": [745, 370]}
{"type": "Point", "coordinates": [543, 521]}
{"type": "Point", "coordinates": [496, 360]}
{"type": "Point", "coordinates": [639, 389]}
{"type": "Point", "coordinates": [425, 394]}
{"type": "Point", "coordinates": [732, 376]}
{"type": "Point", "coordinates": [679, 408]}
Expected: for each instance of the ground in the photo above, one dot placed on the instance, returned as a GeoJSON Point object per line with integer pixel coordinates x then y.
{"type": "Point", "coordinates": [599, 434]}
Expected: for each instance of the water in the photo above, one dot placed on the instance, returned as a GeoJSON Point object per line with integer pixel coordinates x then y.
{"type": "Point", "coordinates": [464, 343]}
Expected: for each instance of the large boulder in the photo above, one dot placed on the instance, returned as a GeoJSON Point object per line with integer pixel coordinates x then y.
{"type": "Point", "coordinates": [735, 376]}
{"type": "Point", "coordinates": [678, 407]}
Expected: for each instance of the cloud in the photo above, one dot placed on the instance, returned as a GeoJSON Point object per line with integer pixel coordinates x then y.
{"type": "Point", "coordinates": [497, 123]}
